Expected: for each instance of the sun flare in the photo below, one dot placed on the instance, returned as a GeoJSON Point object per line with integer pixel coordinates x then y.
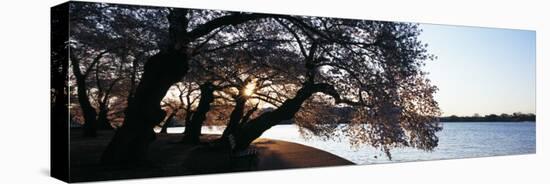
{"type": "Point", "coordinates": [249, 89]}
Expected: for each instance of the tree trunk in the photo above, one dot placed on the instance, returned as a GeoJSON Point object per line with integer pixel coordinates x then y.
{"type": "Point", "coordinates": [235, 117]}
{"type": "Point", "coordinates": [193, 127]}
{"type": "Point", "coordinates": [166, 124]}
{"type": "Point", "coordinates": [257, 126]}
{"type": "Point", "coordinates": [188, 111]}
{"type": "Point", "coordinates": [89, 112]}
{"type": "Point", "coordinates": [102, 119]}
{"type": "Point", "coordinates": [188, 116]}
{"type": "Point", "coordinates": [131, 141]}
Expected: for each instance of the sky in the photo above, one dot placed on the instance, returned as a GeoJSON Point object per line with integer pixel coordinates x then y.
{"type": "Point", "coordinates": [481, 70]}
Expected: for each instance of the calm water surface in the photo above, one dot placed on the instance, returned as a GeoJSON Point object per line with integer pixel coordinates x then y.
{"type": "Point", "coordinates": [456, 140]}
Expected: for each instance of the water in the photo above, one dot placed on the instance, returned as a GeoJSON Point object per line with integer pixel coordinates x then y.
{"type": "Point", "coordinates": [456, 140]}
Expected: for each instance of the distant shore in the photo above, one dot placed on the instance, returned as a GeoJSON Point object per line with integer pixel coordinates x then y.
{"type": "Point", "coordinates": [514, 117]}
{"type": "Point", "coordinates": [168, 158]}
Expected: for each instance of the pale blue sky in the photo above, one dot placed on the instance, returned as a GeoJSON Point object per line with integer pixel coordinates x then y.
{"type": "Point", "coordinates": [481, 70]}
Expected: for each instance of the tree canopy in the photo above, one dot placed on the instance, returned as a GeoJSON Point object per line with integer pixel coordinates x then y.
{"type": "Point", "coordinates": [251, 71]}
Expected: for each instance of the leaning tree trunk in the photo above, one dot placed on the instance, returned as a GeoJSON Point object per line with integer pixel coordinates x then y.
{"type": "Point", "coordinates": [254, 128]}
{"type": "Point", "coordinates": [166, 124]}
{"type": "Point", "coordinates": [130, 143]}
{"type": "Point", "coordinates": [193, 127]}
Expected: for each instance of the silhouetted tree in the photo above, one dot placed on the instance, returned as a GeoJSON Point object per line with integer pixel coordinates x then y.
{"type": "Point", "coordinates": [245, 63]}
{"type": "Point", "coordinates": [107, 41]}
{"type": "Point", "coordinates": [89, 112]}
{"type": "Point", "coordinates": [367, 65]}
{"type": "Point", "coordinates": [131, 141]}
{"type": "Point", "coordinates": [181, 104]}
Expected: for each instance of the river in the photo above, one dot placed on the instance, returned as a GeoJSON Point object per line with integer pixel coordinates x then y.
{"type": "Point", "coordinates": [456, 140]}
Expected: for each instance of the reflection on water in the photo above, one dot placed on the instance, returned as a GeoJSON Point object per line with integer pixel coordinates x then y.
{"type": "Point", "coordinates": [456, 140]}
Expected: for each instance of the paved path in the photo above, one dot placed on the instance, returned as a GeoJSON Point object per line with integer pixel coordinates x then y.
{"type": "Point", "coordinates": [277, 154]}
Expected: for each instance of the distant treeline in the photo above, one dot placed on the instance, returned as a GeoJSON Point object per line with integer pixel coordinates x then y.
{"type": "Point", "coordinates": [491, 118]}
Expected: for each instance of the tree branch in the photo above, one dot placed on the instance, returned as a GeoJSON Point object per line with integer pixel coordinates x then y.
{"type": "Point", "coordinates": [241, 42]}
{"type": "Point", "coordinates": [94, 62]}
{"type": "Point", "coordinates": [196, 50]}
{"type": "Point", "coordinates": [233, 19]}
{"type": "Point", "coordinates": [302, 49]}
